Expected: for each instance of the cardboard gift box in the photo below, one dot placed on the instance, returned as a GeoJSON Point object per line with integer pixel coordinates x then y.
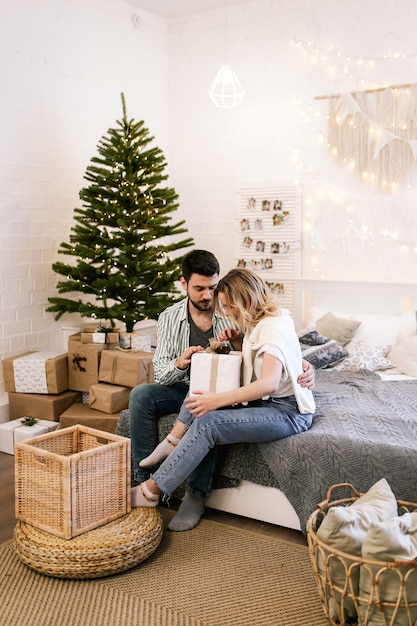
{"type": "Point", "coordinates": [48, 407]}
{"type": "Point", "coordinates": [108, 398]}
{"type": "Point", "coordinates": [13, 431]}
{"type": "Point", "coordinates": [215, 372]}
{"type": "Point", "coordinates": [127, 368]}
{"type": "Point", "coordinates": [36, 372]}
{"type": "Point", "coordinates": [86, 416]}
{"type": "Point", "coordinates": [83, 362]}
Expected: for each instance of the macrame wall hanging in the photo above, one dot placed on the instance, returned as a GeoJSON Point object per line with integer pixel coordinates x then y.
{"type": "Point", "coordinates": [374, 133]}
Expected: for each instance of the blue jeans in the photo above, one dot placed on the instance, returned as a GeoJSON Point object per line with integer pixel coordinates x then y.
{"type": "Point", "coordinates": [148, 403]}
{"type": "Point", "coordinates": [263, 421]}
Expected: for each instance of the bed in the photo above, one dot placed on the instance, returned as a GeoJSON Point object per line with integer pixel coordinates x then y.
{"type": "Point", "coordinates": [365, 425]}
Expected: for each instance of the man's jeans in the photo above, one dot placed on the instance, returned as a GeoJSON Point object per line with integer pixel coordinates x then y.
{"type": "Point", "coordinates": [148, 403]}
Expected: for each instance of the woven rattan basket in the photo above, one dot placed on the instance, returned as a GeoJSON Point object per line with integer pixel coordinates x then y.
{"type": "Point", "coordinates": [72, 480]}
{"type": "Point", "coordinates": [392, 599]}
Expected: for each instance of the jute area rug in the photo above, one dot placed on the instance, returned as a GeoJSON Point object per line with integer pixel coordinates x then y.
{"type": "Point", "coordinates": [214, 575]}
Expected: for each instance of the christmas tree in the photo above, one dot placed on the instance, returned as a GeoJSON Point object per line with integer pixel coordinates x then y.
{"type": "Point", "coordinates": [123, 237]}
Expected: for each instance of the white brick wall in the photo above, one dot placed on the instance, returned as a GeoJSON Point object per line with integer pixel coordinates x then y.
{"type": "Point", "coordinates": [63, 64]}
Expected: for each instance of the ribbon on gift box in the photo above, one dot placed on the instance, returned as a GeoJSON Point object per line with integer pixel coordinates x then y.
{"type": "Point", "coordinates": [214, 368]}
{"type": "Point", "coordinates": [106, 330]}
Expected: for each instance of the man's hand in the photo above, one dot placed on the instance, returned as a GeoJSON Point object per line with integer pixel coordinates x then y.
{"type": "Point", "coordinates": [184, 360]}
{"type": "Point", "coordinates": [307, 378]}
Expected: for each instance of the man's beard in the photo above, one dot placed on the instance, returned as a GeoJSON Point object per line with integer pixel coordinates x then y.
{"type": "Point", "coordinates": [201, 307]}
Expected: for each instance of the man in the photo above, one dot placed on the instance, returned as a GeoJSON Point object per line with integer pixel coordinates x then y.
{"type": "Point", "coordinates": [183, 329]}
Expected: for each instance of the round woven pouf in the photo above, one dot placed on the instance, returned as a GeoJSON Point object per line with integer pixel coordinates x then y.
{"type": "Point", "coordinates": [109, 549]}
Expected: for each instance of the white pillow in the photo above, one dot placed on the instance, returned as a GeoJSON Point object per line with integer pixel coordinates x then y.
{"type": "Point", "coordinates": [365, 357]}
{"type": "Point", "coordinates": [404, 354]}
{"type": "Point", "coordinates": [383, 330]}
{"type": "Point", "coordinates": [344, 528]}
{"type": "Point", "coordinates": [388, 541]}
{"type": "Point", "coordinates": [375, 330]}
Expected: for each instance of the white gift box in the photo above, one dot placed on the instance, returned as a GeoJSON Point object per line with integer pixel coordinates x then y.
{"type": "Point", "coordinates": [13, 431]}
{"type": "Point", "coordinates": [141, 341]}
{"type": "Point", "coordinates": [215, 372]}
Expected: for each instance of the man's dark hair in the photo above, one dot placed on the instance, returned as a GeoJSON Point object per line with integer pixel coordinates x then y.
{"type": "Point", "coordinates": [199, 262]}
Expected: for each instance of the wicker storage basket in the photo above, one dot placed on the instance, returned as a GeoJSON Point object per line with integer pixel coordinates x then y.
{"type": "Point", "coordinates": [72, 480]}
{"type": "Point", "coordinates": [397, 607]}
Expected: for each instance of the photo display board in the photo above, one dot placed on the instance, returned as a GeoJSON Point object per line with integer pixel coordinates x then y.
{"type": "Point", "coordinates": [268, 235]}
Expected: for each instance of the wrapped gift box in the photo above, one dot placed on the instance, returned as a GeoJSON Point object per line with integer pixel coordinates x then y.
{"type": "Point", "coordinates": [215, 372]}
{"type": "Point", "coordinates": [129, 369]}
{"type": "Point", "coordinates": [13, 431]}
{"type": "Point", "coordinates": [83, 362]}
{"type": "Point", "coordinates": [108, 398]}
{"type": "Point", "coordinates": [48, 407]}
{"type": "Point", "coordinates": [86, 416]}
{"type": "Point", "coordinates": [94, 335]}
{"type": "Point", "coordinates": [141, 341]}
{"type": "Point", "coordinates": [149, 328]}
{"type": "Point", "coordinates": [36, 372]}
{"type": "Point", "coordinates": [72, 480]}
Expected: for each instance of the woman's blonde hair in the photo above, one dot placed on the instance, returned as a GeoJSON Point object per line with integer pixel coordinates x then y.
{"type": "Point", "coordinates": [246, 291]}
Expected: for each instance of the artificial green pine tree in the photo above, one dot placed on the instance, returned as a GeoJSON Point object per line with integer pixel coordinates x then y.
{"type": "Point", "coordinates": [123, 236]}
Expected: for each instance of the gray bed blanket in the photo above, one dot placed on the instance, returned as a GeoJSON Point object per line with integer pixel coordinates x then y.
{"type": "Point", "coordinates": [364, 429]}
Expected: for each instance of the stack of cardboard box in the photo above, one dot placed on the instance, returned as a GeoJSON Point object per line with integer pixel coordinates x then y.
{"type": "Point", "coordinates": [89, 385]}
{"type": "Point", "coordinates": [106, 374]}
{"type": "Point", "coordinates": [37, 384]}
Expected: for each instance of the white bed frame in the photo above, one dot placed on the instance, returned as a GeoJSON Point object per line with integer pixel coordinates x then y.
{"type": "Point", "coordinates": [268, 504]}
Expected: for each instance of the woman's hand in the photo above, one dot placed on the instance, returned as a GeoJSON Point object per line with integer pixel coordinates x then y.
{"type": "Point", "coordinates": [202, 402]}
{"type": "Point", "coordinates": [232, 335]}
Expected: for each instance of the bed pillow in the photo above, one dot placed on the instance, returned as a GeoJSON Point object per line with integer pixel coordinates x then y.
{"type": "Point", "coordinates": [388, 541]}
{"type": "Point", "coordinates": [382, 330]}
{"type": "Point", "coordinates": [363, 357]}
{"type": "Point", "coordinates": [338, 328]}
{"type": "Point", "coordinates": [344, 528]}
{"type": "Point", "coordinates": [311, 337]}
{"type": "Point", "coordinates": [404, 355]}
{"type": "Point", "coordinates": [324, 355]}
{"type": "Point", "coordinates": [319, 350]}
{"type": "Point", "coordinates": [375, 330]}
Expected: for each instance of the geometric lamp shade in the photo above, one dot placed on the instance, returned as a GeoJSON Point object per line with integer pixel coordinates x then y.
{"type": "Point", "coordinates": [226, 90]}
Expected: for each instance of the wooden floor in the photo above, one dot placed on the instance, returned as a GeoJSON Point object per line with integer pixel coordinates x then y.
{"type": "Point", "coordinates": [8, 521]}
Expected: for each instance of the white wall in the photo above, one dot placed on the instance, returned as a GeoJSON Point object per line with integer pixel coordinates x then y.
{"type": "Point", "coordinates": [349, 230]}
{"type": "Point", "coordinates": [63, 66]}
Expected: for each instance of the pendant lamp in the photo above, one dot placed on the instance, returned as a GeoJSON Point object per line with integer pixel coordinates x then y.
{"type": "Point", "coordinates": [226, 90]}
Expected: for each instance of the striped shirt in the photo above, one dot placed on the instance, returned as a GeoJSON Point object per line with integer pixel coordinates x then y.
{"type": "Point", "coordinates": [174, 339]}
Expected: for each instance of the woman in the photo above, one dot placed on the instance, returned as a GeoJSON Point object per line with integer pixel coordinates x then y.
{"type": "Point", "coordinates": [270, 405]}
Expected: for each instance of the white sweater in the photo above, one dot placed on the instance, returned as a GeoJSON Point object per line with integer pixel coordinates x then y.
{"type": "Point", "coordinates": [277, 336]}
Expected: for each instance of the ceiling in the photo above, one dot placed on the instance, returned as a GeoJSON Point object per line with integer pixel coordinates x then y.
{"type": "Point", "coordinates": [173, 9]}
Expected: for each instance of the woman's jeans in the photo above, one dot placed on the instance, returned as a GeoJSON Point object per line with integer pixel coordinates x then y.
{"type": "Point", "coordinates": [148, 403]}
{"type": "Point", "coordinates": [263, 421]}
